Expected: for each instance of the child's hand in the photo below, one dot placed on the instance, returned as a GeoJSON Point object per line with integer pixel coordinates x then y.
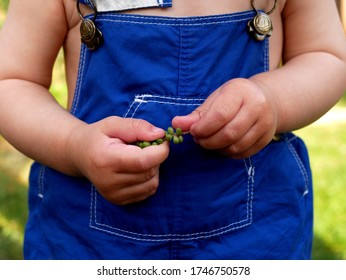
{"type": "Point", "coordinates": [121, 172]}
{"type": "Point", "coordinates": [238, 119]}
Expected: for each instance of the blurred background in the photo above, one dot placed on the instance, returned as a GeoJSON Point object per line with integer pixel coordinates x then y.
{"type": "Point", "coordinates": [326, 140]}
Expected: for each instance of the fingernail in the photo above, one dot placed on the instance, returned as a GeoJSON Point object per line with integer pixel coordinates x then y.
{"type": "Point", "coordinates": [196, 141]}
{"type": "Point", "coordinates": [156, 130]}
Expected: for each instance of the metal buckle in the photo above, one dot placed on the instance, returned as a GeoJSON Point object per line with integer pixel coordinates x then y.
{"type": "Point", "coordinates": [261, 26]}
{"type": "Point", "coordinates": [91, 36]}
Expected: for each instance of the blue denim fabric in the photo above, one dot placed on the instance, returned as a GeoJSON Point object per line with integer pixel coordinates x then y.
{"type": "Point", "coordinates": [207, 206]}
{"type": "Point", "coordinates": [118, 5]}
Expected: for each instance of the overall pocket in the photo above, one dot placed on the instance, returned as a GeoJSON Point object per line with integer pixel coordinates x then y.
{"type": "Point", "coordinates": [201, 193]}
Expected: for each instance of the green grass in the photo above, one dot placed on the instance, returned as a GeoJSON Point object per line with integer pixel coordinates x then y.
{"type": "Point", "coordinates": [326, 143]}
{"type": "Point", "coordinates": [13, 200]}
{"type": "Point", "coordinates": [3, 9]}
{"type": "Point", "coordinates": [327, 147]}
{"type": "Point", "coordinates": [327, 151]}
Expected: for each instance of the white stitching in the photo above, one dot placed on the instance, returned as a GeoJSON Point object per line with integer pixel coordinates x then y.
{"type": "Point", "coordinates": [79, 80]}
{"type": "Point", "coordinates": [168, 97]}
{"type": "Point", "coordinates": [160, 235]}
{"type": "Point", "coordinates": [149, 98]}
{"type": "Point", "coordinates": [170, 239]}
{"type": "Point", "coordinates": [241, 15]}
{"type": "Point", "coordinates": [178, 237]}
{"type": "Point", "coordinates": [174, 24]}
{"type": "Point", "coordinates": [146, 98]}
{"type": "Point", "coordinates": [91, 206]}
{"type": "Point", "coordinates": [266, 56]}
{"type": "Point", "coordinates": [130, 107]}
{"type": "Point", "coordinates": [40, 182]}
{"type": "Point", "coordinates": [300, 165]}
{"type": "Point", "coordinates": [251, 176]}
{"type": "Point", "coordinates": [170, 103]}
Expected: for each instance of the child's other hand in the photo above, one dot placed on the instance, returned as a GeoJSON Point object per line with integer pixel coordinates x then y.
{"type": "Point", "coordinates": [238, 119]}
{"type": "Point", "coordinates": [121, 172]}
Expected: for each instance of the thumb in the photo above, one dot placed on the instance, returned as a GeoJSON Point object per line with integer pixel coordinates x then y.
{"type": "Point", "coordinates": [130, 130]}
{"type": "Point", "coordinates": [185, 122]}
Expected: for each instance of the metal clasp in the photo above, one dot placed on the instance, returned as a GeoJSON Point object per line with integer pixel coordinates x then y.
{"type": "Point", "coordinates": [91, 36]}
{"type": "Point", "coordinates": [261, 26]}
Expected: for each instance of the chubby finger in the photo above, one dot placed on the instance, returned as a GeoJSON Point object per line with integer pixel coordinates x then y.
{"type": "Point", "coordinates": [132, 159]}
{"type": "Point", "coordinates": [185, 122]}
{"type": "Point", "coordinates": [222, 110]}
{"type": "Point", "coordinates": [230, 133]}
{"type": "Point", "coordinates": [135, 193]}
{"type": "Point", "coordinates": [247, 146]}
{"type": "Point", "coordinates": [124, 180]}
{"type": "Point", "coordinates": [130, 130]}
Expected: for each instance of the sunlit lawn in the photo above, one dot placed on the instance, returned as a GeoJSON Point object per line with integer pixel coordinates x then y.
{"type": "Point", "coordinates": [327, 146]}
{"type": "Point", "coordinates": [13, 201]}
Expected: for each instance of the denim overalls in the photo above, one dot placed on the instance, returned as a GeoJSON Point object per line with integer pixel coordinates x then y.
{"type": "Point", "coordinates": [207, 206]}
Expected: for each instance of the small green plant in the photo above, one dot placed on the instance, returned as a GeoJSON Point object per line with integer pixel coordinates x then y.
{"type": "Point", "coordinates": [176, 136]}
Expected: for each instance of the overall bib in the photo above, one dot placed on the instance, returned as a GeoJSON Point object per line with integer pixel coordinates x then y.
{"type": "Point", "coordinates": [207, 206]}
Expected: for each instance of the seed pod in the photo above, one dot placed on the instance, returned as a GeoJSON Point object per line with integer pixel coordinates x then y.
{"type": "Point", "coordinates": [170, 130]}
{"type": "Point", "coordinates": [176, 139]}
{"type": "Point", "coordinates": [169, 137]}
{"type": "Point", "coordinates": [146, 144]}
{"type": "Point", "coordinates": [179, 131]}
{"type": "Point", "coordinates": [170, 134]}
{"type": "Point", "coordinates": [141, 145]}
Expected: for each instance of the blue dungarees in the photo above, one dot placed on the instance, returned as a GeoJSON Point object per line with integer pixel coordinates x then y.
{"type": "Point", "coordinates": [207, 206]}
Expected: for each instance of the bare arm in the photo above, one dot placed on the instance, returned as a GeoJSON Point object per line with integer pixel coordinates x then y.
{"type": "Point", "coordinates": [29, 42]}
{"type": "Point", "coordinates": [32, 121]}
{"type": "Point", "coordinates": [241, 117]}
{"type": "Point", "coordinates": [314, 74]}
